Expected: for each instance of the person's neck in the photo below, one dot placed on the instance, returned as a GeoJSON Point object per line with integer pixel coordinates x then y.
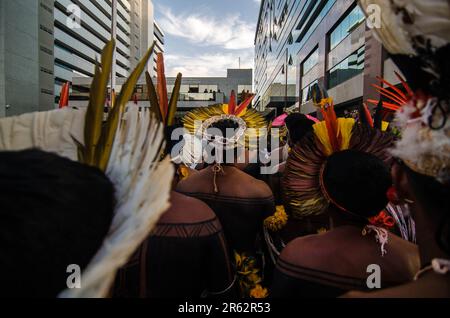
{"type": "Point", "coordinates": [225, 166]}
{"type": "Point", "coordinates": [340, 218]}
{"type": "Point", "coordinates": [426, 229]}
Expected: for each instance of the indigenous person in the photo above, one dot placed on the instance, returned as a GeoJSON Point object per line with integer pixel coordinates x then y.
{"type": "Point", "coordinates": [185, 256]}
{"type": "Point", "coordinates": [240, 201]}
{"type": "Point", "coordinates": [298, 126]}
{"type": "Point", "coordinates": [421, 170]}
{"type": "Point", "coordinates": [124, 148]}
{"type": "Point", "coordinates": [52, 209]}
{"type": "Point", "coordinates": [340, 170]}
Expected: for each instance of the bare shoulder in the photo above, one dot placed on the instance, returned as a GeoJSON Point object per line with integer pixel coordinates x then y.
{"type": "Point", "coordinates": [306, 252]}
{"type": "Point", "coordinates": [192, 183]}
{"type": "Point", "coordinates": [186, 209]}
{"type": "Point", "coordinates": [255, 188]}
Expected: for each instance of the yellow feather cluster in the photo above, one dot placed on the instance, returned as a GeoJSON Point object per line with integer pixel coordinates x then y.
{"type": "Point", "coordinates": [278, 220]}
{"type": "Point", "coordinates": [248, 277]}
{"type": "Point", "coordinates": [252, 119]}
{"type": "Point", "coordinates": [345, 126]}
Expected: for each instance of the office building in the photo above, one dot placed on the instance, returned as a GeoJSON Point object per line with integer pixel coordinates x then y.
{"type": "Point", "coordinates": [26, 56]}
{"type": "Point", "coordinates": [299, 43]}
{"type": "Point", "coordinates": [46, 43]}
{"type": "Point", "coordinates": [194, 91]}
{"type": "Point", "coordinates": [158, 36]}
{"type": "Point", "coordinates": [76, 48]}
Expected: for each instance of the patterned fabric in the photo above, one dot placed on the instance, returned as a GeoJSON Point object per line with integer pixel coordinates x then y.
{"type": "Point", "coordinates": [179, 260]}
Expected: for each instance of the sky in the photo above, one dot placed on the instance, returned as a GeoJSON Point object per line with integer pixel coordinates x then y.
{"type": "Point", "coordinates": [205, 37]}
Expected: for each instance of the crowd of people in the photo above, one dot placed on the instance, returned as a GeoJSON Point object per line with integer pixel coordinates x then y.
{"type": "Point", "coordinates": [336, 207]}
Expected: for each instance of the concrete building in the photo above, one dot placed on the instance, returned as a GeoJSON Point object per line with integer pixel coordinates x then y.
{"type": "Point", "coordinates": [299, 43]}
{"type": "Point", "coordinates": [158, 36]}
{"type": "Point", "coordinates": [46, 43]}
{"type": "Point", "coordinates": [76, 48]}
{"type": "Point", "coordinates": [194, 91]}
{"type": "Point", "coordinates": [26, 56]}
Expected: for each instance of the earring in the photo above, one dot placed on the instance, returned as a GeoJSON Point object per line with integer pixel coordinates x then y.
{"type": "Point", "coordinates": [392, 195]}
{"type": "Point", "coordinates": [394, 198]}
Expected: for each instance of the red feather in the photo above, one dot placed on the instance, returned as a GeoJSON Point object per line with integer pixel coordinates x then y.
{"type": "Point", "coordinates": [161, 85]}
{"type": "Point", "coordinates": [386, 105]}
{"type": "Point", "coordinates": [64, 96]}
{"type": "Point", "coordinates": [393, 87]}
{"type": "Point", "coordinates": [244, 105]}
{"type": "Point", "coordinates": [368, 115]}
{"type": "Point", "coordinates": [390, 95]}
{"type": "Point", "coordinates": [232, 103]}
{"type": "Point", "coordinates": [405, 85]}
{"type": "Point", "coordinates": [331, 122]}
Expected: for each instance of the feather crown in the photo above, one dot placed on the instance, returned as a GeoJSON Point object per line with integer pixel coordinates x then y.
{"type": "Point", "coordinates": [304, 189]}
{"type": "Point", "coordinates": [249, 121]}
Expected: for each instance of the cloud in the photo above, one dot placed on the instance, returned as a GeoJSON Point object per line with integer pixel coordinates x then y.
{"type": "Point", "coordinates": [208, 64]}
{"type": "Point", "coordinates": [230, 32]}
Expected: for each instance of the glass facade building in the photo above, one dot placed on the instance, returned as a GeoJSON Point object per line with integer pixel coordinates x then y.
{"type": "Point", "coordinates": [302, 42]}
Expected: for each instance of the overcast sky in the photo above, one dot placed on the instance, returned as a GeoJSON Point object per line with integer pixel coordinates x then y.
{"type": "Point", "coordinates": [205, 37]}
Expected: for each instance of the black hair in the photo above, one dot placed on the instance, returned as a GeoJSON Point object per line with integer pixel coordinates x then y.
{"type": "Point", "coordinates": [358, 182]}
{"type": "Point", "coordinates": [436, 197]}
{"type": "Point", "coordinates": [170, 144]}
{"type": "Point", "coordinates": [224, 125]}
{"type": "Point", "coordinates": [54, 212]}
{"type": "Point", "coordinates": [298, 126]}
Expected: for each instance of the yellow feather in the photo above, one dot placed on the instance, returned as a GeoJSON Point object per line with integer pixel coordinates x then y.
{"type": "Point", "coordinates": [94, 113]}
{"type": "Point", "coordinates": [104, 150]}
{"type": "Point", "coordinates": [225, 108]}
{"type": "Point", "coordinates": [321, 132]}
{"type": "Point", "coordinates": [153, 97]}
{"type": "Point", "coordinates": [174, 101]}
{"type": "Point", "coordinates": [345, 127]}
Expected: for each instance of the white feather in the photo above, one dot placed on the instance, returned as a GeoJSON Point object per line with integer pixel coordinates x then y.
{"type": "Point", "coordinates": [51, 131]}
{"type": "Point", "coordinates": [142, 191]}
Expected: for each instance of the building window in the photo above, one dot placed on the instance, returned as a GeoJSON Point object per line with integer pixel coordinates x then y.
{"type": "Point", "coordinates": [308, 30]}
{"type": "Point", "coordinates": [310, 61]}
{"type": "Point", "coordinates": [348, 68]}
{"type": "Point", "coordinates": [245, 88]}
{"type": "Point", "coordinates": [346, 26]}
{"type": "Point", "coordinates": [193, 88]}
{"type": "Point", "coordinates": [208, 88]}
{"type": "Point", "coordinates": [306, 92]}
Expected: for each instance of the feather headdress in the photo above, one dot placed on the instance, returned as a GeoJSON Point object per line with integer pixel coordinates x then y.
{"type": "Point", "coordinates": [249, 120]}
{"type": "Point", "coordinates": [425, 131]}
{"type": "Point", "coordinates": [408, 26]}
{"type": "Point", "coordinates": [126, 147]}
{"type": "Point", "coordinates": [163, 109]}
{"type": "Point", "coordinates": [302, 181]}
{"type": "Point", "coordinates": [417, 34]}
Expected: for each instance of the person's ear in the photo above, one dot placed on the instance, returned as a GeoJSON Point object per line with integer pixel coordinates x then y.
{"type": "Point", "coordinates": [401, 183]}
